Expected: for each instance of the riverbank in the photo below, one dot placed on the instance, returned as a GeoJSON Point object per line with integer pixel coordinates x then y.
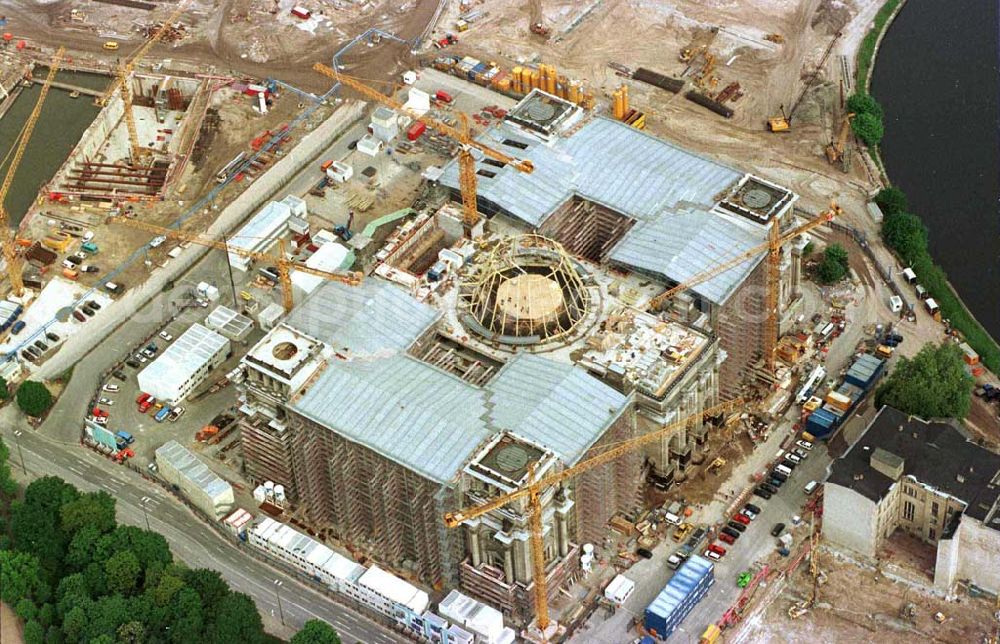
{"type": "Point", "coordinates": [950, 190]}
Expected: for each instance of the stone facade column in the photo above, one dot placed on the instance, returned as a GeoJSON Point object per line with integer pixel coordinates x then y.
{"type": "Point", "coordinates": [562, 533]}
{"type": "Point", "coordinates": [474, 545]}
{"type": "Point", "coordinates": [508, 565]}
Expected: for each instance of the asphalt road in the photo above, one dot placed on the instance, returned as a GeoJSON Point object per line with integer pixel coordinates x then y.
{"type": "Point", "coordinates": [192, 542]}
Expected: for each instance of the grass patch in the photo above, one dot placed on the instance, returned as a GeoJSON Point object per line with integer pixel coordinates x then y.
{"type": "Point", "coordinates": [866, 53]}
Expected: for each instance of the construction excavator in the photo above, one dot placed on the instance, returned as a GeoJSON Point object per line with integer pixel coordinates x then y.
{"type": "Point", "coordinates": [783, 123]}
{"type": "Point", "coordinates": [836, 149]}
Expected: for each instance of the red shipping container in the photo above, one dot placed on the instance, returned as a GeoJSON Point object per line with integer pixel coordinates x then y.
{"type": "Point", "coordinates": [301, 12]}
{"type": "Point", "coordinates": [416, 130]}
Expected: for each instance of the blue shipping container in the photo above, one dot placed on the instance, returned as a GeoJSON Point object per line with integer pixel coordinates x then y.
{"type": "Point", "coordinates": [821, 423]}
{"type": "Point", "coordinates": [684, 590]}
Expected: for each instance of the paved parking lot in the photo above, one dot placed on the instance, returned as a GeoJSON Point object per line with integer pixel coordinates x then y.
{"type": "Point", "coordinates": [651, 575]}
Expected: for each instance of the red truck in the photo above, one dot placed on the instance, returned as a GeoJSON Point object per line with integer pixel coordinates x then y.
{"type": "Point", "coordinates": [443, 96]}
{"type": "Point", "coordinates": [416, 130]}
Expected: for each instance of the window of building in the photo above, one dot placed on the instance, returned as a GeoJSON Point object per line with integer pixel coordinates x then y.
{"type": "Point", "coordinates": [908, 510]}
{"type": "Point", "coordinates": [932, 535]}
{"type": "Point", "coordinates": [934, 509]}
{"type": "Point", "coordinates": [909, 491]}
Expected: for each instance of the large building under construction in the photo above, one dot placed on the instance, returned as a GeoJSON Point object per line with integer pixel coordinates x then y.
{"type": "Point", "coordinates": [381, 407]}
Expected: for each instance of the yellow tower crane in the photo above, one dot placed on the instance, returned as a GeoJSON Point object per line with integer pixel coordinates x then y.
{"type": "Point", "coordinates": [8, 239]}
{"type": "Point", "coordinates": [280, 261]}
{"type": "Point", "coordinates": [466, 162]}
{"type": "Point", "coordinates": [534, 490]}
{"type": "Point", "coordinates": [773, 249]}
{"type": "Point", "coordinates": [124, 73]}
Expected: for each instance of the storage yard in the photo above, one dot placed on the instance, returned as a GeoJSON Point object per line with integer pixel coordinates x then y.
{"type": "Point", "coordinates": [485, 318]}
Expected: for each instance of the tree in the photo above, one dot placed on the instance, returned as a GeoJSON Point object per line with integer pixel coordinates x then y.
{"type": "Point", "coordinates": [4, 389]}
{"type": "Point", "coordinates": [95, 509]}
{"type": "Point", "coordinates": [34, 633]}
{"type": "Point", "coordinates": [26, 609]}
{"type": "Point", "coordinates": [862, 103]}
{"type": "Point", "coordinates": [75, 623]}
{"type": "Point", "coordinates": [122, 571]}
{"type": "Point", "coordinates": [33, 398]}
{"type": "Point", "coordinates": [20, 576]}
{"type": "Point", "coordinates": [933, 384]}
{"type": "Point", "coordinates": [835, 265]}
{"type": "Point", "coordinates": [868, 128]}
{"type": "Point", "coordinates": [236, 620]}
{"type": "Point", "coordinates": [132, 632]}
{"type": "Point", "coordinates": [316, 631]}
{"type": "Point", "coordinates": [8, 486]}
{"type": "Point", "coordinates": [906, 234]}
{"type": "Point", "coordinates": [892, 200]}
{"type": "Point", "coordinates": [208, 584]}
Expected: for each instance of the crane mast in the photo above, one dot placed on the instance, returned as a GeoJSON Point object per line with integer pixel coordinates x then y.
{"type": "Point", "coordinates": [9, 241]}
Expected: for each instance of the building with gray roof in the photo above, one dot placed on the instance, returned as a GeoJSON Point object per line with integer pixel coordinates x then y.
{"type": "Point", "coordinates": [619, 196]}
{"type": "Point", "coordinates": [203, 487]}
{"type": "Point", "coordinates": [927, 479]}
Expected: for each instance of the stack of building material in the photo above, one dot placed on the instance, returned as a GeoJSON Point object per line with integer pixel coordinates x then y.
{"type": "Point", "coordinates": [684, 590]}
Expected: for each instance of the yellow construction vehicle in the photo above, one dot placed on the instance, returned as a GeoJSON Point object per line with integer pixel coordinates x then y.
{"type": "Point", "coordinates": [779, 123]}
{"type": "Point", "coordinates": [279, 261]}
{"type": "Point", "coordinates": [773, 248]}
{"type": "Point", "coordinates": [717, 464]}
{"type": "Point", "coordinates": [775, 38]}
{"type": "Point", "coordinates": [835, 149]}
{"type": "Point", "coordinates": [533, 491]}
{"type": "Point", "coordinates": [466, 162]}
{"type": "Point", "coordinates": [8, 238]}
{"type": "Point", "coordinates": [682, 532]}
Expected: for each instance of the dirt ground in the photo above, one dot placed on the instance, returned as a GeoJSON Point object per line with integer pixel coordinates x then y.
{"type": "Point", "coordinates": [10, 627]}
{"type": "Point", "coordinates": [855, 605]}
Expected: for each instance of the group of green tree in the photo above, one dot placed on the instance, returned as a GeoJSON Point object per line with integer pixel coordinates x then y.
{"type": "Point", "coordinates": [33, 398]}
{"type": "Point", "coordinates": [906, 234]}
{"type": "Point", "coordinates": [834, 266]}
{"type": "Point", "coordinates": [933, 384]}
{"type": "Point", "coordinates": [868, 122]}
{"type": "Point", "coordinates": [72, 574]}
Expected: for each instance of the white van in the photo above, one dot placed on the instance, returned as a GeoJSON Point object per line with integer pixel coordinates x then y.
{"type": "Point", "coordinates": [783, 469]}
{"type": "Point", "coordinates": [811, 487]}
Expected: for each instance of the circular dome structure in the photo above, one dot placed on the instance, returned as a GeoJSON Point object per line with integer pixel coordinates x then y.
{"type": "Point", "coordinates": [528, 290]}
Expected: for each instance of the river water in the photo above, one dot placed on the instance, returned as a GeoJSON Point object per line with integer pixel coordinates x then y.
{"type": "Point", "coordinates": [60, 126]}
{"type": "Point", "coordinates": [937, 77]}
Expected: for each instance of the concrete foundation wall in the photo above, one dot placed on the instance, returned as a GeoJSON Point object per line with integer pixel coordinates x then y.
{"type": "Point", "coordinates": [849, 520]}
{"type": "Point", "coordinates": [972, 553]}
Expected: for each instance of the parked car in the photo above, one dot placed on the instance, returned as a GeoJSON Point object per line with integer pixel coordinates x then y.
{"type": "Point", "coordinates": [149, 354]}
{"type": "Point", "coordinates": [777, 529]}
{"type": "Point", "coordinates": [89, 311]}
{"type": "Point", "coordinates": [749, 514]}
{"type": "Point", "coordinates": [775, 474]}
{"type": "Point", "coordinates": [166, 336]}
{"type": "Point", "coordinates": [753, 508]}
{"type": "Point", "coordinates": [79, 316]}
{"type": "Point", "coordinates": [804, 444]}
{"type": "Point", "coordinates": [106, 401]}
{"type": "Point", "coordinates": [775, 483]}
{"type": "Point", "coordinates": [94, 305]}
{"type": "Point", "coordinates": [644, 553]}
{"type": "Point", "coordinates": [811, 487]}
{"type": "Point", "coordinates": [176, 413]}
{"type": "Point", "coordinates": [761, 492]}
{"type": "Point", "coordinates": [41, 346]}
{"type": "Point", "coordinates": [711, 554]}
{"type": "Point", "coordinates": [52, 336]}
{"type": "Point", "coordinates": [736, 525]}
{"type": "Point", "coordinates": [141, 358]}
{"type": "Point", "coordinates": [27, 356]}
{"type": "Point", "coordinates": [100, 420]}
{"type": "Point", "coordinates": [742, 518]}
{"type": "Point", "coordinates": [735, 534]}
{"type": "Point", "coordinates": [718, 549]}
{"type": "Point", "coordinates": [674, 561]}
{"type": "Point", "coordinates": [119, 375]}
{"type": "Point", "coordinates": [801, 453]}
{"type": "Point", "coordinates": [726, 538]}
{"type": "Point", "coordinates": [18, 327]}
{"type": "Point", "coordinates": [133, 363]}
{"type": "Point", "coordinates": [793, 458]}
{"type": "Point", "coordinates": [111, 387]}
{"type": "Point", "coordinates": [152, 347]}
{"type": "Point", "coordinates": [770, 488]}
